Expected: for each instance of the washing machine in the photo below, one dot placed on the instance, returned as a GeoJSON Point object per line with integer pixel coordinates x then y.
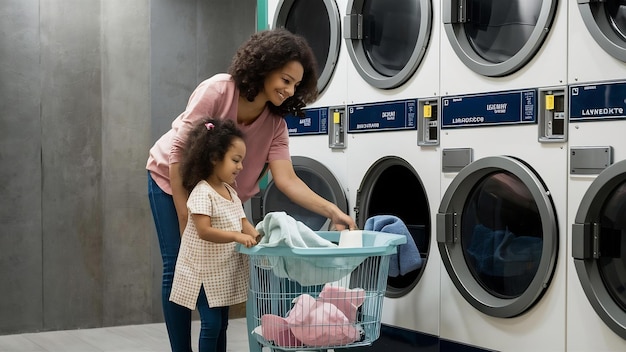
{"type": "Point", "coordinates": [596, 41]}
{"type": "Point", "coordinates": [393, 48]}
{"type": "Point", "coordinates": [387, 182]}
{"type": "Point", "coordinates": [596, 300]}
{"type": "Point", "coordinates": [501, 222]}
{"type": "Point", "coordinates": [503, 91]}
{"type": "Point", "coordinates": [317, 140]}
{"type": "Point", "coordinates": [393, 151]}
{"type": "Point", "coordinates": [491, 45]}
{"type": "Point", "coordinates": [596, 70]}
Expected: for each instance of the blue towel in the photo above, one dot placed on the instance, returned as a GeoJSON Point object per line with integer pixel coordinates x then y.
{"type": "Point", "coordinates": [408, 257]}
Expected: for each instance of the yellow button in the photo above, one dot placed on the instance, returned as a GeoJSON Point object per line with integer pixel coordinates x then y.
{"type": "Point", "coordinates": [428, 111]}
{"type": "Point", "coordinates": [336, 117]}
{"type": "Point", "coordinates": [550, 102]}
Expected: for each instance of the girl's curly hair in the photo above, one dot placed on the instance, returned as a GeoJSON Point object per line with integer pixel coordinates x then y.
{"type": "Point", "coordinates": [205, 145]}
{"type": "Point", "coordinates": [267, 51]}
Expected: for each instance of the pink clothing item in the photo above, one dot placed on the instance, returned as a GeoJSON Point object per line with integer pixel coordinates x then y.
{"type": "Point", "coordinates": [317, 323]}
{"type": "Point", "coordinates": [346, 300]}
{"type": "Point", "coordinates": [266, 138]}
{"type": "Point", "coordinates": [276, 329]}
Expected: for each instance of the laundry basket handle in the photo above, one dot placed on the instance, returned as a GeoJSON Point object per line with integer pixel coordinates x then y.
{"type": "Point", "coordinates": [374, 243]}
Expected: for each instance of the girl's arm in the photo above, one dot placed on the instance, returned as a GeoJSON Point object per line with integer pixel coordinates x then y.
{"type": "Point", "coordinates": [248, 228]}
{"type": "Point", "coordinates": [209, 233]}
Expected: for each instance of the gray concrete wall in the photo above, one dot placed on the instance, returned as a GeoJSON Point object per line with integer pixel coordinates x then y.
{"type": "Point", "coordinates": [86, 87]}
{"type": "Point", "coordinates": [128, 239]}
{"type": "Point", "coordinates": [20, 168]}
{"type": "Point", "coordinates": [192, 40]}
{"type": "Point", "coordinates": [71, 144]}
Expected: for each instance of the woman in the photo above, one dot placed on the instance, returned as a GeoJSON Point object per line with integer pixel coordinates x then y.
{"type": "Point", "coordinates": [272, 74]}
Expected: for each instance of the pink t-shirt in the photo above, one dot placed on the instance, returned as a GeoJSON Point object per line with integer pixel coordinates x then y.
{"type": "Point", "coordinates": [266, 138]}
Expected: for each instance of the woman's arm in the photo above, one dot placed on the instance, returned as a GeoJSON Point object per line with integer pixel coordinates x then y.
{"type": "Point", "coordinates": [298, 192]}
{"type": "Point", "coordinates": [209, 233]}
{"type": "Point", "coordinates": [180, 195]}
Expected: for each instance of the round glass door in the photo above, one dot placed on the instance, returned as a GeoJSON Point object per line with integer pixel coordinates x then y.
{"type": "Point", "coordinates": [387, 40]}
{"type": "Point", "coordinates": [606, 21]}
{"type": "Point", "coordinates": [318, 21]}
{"type": "Point", "coordinates": [497, 235]}
{"type": "Point", "coordinates": [496, 38]}
{"type": "Point", "coordinates": [599, 246]}
{"type": "Point", "coordinates": [320, 180]}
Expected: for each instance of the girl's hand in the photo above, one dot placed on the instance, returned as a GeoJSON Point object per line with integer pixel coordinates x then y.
{"type": "Point", "coordinates": [245, 240]}
{"type": "Point", "coordinates": [257, 237]}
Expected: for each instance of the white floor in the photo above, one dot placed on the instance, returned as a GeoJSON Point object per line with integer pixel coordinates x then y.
{"type": "Point", "coordinates": [133, 338]}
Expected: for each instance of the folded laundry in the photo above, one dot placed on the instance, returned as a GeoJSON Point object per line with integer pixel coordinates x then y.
{"type": "Point", "coordinates": [328, 321]}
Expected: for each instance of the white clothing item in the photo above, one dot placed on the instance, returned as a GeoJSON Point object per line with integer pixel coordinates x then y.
{"type": "Point", "coordinates": [281, 230]}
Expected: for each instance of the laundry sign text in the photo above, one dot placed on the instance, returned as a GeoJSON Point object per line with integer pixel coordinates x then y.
{"type": "Point", "coordinates": [382, 116]}
{"type": "Point", "coordinates": [489, 109]}
{"type": "Point", "coordinates": [497, 108]}
{"type": "Point", "coordinates": [314, 122]}
{"type": "Point", "coordinates": [594, 102]}
{"type": "Point", "coordinates": [389, 115]}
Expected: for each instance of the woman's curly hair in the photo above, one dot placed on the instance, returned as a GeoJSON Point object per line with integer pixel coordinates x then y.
{"type": "Point", "coordinates": [267, 51]}
{"type": "Point", "coordinates": [205, 146]}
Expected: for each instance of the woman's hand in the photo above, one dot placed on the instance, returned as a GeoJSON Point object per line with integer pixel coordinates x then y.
{"type": "Point", "coordinates": [341, 221]}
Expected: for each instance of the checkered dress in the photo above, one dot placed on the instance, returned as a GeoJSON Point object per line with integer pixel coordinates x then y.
{"type": "Point", "coordinates": [218, 266]}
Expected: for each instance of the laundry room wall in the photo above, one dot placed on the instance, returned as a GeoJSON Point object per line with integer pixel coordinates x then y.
{"type": "Point", "coordinates": [86, 88]}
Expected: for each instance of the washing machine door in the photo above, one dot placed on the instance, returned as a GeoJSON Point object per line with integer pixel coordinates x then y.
{"type": "Point", "coordinates": [321, 180]}
{"type": "Point", "coordinates": [495, 37]}
{"type": "Point", "coordinates": [387, 40]}
{"type": "Point", "coordinates": [606, 22]}
{"type": "Point", "coordinates": [498, 236]}
{"type": "Point", "coordinates": [319, 22]}
{"type": "Point", "coordinates": [599, 246]}
{"type": "Point", "coordinates": [378, 195]}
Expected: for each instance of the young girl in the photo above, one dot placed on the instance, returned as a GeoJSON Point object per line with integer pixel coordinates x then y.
{"type": "Point", "coordinates": [210, 274]}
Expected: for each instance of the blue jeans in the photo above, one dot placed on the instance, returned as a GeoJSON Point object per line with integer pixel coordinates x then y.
{"type": "Point", "coordinates": [177, 318]}
{"type": "Point", "coordinates": [213, 325]}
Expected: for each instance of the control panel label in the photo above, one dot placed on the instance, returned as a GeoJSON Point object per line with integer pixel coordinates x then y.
{"type": "Point", "coordinates": [489, 109]}
{"type": "Point", "coordinates": [387, 116]}
{"type": "Point", "coordinates": [598, 101]}
{"type": "Point", "coordinates": [314, 122]}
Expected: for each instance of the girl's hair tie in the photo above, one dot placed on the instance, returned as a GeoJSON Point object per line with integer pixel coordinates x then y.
{"type": "Point", "coordinates": [209, 126]}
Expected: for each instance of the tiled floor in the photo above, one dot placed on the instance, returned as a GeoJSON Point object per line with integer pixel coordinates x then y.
{"type": "Point", "coordinates": [133, 338]}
